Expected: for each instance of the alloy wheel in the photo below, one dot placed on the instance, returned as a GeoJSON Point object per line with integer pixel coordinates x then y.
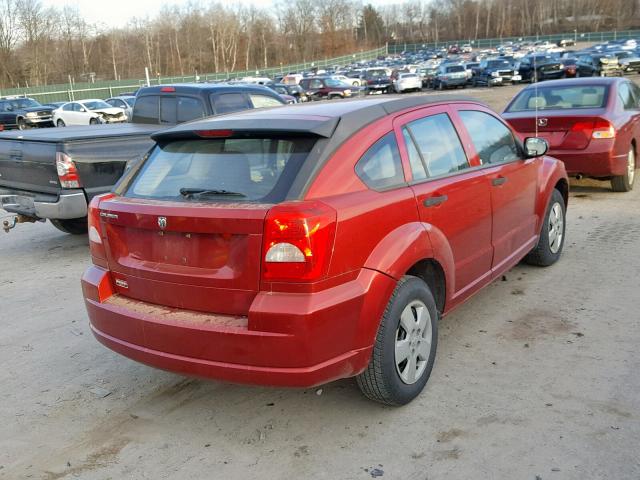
{"type": "Point", "coordinates": [556, 227]}
{"type": "Point", "coordinates": [413, 342]}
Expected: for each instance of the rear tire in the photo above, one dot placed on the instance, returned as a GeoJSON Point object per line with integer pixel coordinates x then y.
{"type": "Point", "coordinates": [74, 226]}
{"type": "Point", "coordinates": [624, 183]}
{"type": "Point", "coordinates": [551, 240]}
{"type": "Point", "coordinates": [405, 346]}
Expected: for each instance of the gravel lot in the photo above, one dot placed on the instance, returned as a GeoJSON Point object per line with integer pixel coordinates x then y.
{"type": "Point", "coordinates": [538, 376]}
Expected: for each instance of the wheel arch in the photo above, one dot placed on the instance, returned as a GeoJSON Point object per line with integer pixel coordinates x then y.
{"type": "Point", "coordinates": [553, 176]}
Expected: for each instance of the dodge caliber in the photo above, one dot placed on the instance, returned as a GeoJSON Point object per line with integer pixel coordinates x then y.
{"type": "Point", "coordinates": [300, 245]}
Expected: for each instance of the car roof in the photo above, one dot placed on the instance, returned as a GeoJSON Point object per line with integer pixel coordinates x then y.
{"type": "Point", "coordinates": [204, 87]}
{"type": "Point", "coordinates": [572, 82]}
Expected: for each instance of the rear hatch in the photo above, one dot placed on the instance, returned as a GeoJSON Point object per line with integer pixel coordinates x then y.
{"type": "Point", "coordinates": [186, 230]}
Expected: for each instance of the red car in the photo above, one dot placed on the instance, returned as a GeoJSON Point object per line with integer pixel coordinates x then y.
{"type": "Point", "coordinates": [591, 124]}
{"type": "Point", "coordinates": [299, 245]}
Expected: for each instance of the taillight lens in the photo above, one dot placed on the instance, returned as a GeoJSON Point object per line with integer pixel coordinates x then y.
{"type": "Point", "coordinates": [96, 245]}
{"type": "Point", "coordinates": [603, 129]}
{"type": "Point", "coordinates": [298, 241]}
{"type": "Point", "coordinates": [67, 171]}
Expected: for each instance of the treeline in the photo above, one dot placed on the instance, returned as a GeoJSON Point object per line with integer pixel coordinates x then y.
{"type": "Point", "coordinates": [40, 46]}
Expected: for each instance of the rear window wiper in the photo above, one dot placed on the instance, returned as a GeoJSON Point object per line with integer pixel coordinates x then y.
{"type": "Point", "coordinates": [196, 192]}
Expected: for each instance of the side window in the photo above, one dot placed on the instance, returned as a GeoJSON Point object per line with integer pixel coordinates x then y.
{"type": "Point", "coordinates": [113, 103]}
{"type": "Point", "coordinates": [380, 167]}
{"type": "Point", "coordinates": [438, 145]}
{"type": "Point", "coordinates": [229, 102]}
{"type": "Point", "coordinates": [261, 101]}
{"type": "Point", "coordinates": [418, 169]}
{"type": "Point", "coordinates": [626, 97]}
{"type": "Point", "coordinates": [494, 142]}
{"type": "Point", "coordinates": [77, 107]}
{"type": "Point", "coordinates": [168, 110]}
{"type": "Point", "coordinates": [189, 108]}
{"type": "Point", "coordinates": [315, 83]}
{"type": "Point", "coordinates": [68, 107]}
{"type": "Point", "coordinates": [146, 110]}
{"type": "Point", "coordinates": [635, 90]}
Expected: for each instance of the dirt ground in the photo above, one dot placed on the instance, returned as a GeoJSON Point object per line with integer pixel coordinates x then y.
{"type": "Point", "coordinates": [536, 377]}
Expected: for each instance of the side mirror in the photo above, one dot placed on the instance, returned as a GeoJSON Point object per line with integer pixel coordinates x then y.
{"type": "Point", "coordinates": [82, 109]}
{"type": "Point", "coordinates": [535, 147]}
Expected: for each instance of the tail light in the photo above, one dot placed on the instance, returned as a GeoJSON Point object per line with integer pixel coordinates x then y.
{"type": "Point", "coordinates": [298, 241]}
{"type": "Point", "coordinates": [603, 129]}
{"type": "Point", "coordinates": [582, 132]}
{"type": "Point", "coordinates": [67, 171]}
{"type": "Point", "coordinates": [96, 245]}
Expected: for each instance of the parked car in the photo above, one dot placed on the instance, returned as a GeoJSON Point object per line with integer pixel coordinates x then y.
{"type": "Point", "coordinates": [407, 82]}
{"type": "Point", "coordinates": [598, 65]}
{"type": "Point", "coordinates": [566, 42]}
{"type": "Point", "coordinates": [300, 245]}
{"type": "Point", "coordinates": [38, 183]}
{"type": "Point", "coordinates": [494, 71]}
{"type": "Point", "coordinates": [317, 88]}
{"type": "Point", "coordinates": [53, 173]}
{"type": "Point", "coordinates": [23, 113]}
{"type": "Point", "coordinates": [172, 104]}
{"type": "Point", "coordinates": [629, 61]}
{"type": "Point", "coordinates": [591, 124]}
{"type": "Point", "coordinates": [354, 81]}
{"type": "Point", "coordinates": [450, 76]}
{"type": "Point", "coordinates": [292, 90]}
{"type": "Point", "coordinates": [87, 112]}
{"type": "Point", "coordinates": [377, 80]}
{"type": "Point", "coordinates": [124, 102]}
{"type": "Point", "coordinates": [468, 68]}
{"type": "Point", "coordinates": [569, 66]}
{"type": "Point", "coordinates": [535, 68]}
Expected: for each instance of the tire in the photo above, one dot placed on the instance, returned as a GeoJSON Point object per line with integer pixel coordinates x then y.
{"type": "Point", "coordinates": [60, 123]}
{"type": "Point", "coordinates": [22, 124]}
{"type": "Point", "coordinates": [440, 86]}
{"type": "Point", "coordinates": [385, 380]}
{"type": "Point", "coordinates": [93, 121]}
{"type": "Point", "coordinates": [548, 251]}
{"type": "Point", "coordinates": [534, 77]}
{"type": "Point", "coordinates": [624, 183]}
{"type": "Point", "coordinates": [74, 226]}
{"type": "Point", "coordinates": [474, 83]}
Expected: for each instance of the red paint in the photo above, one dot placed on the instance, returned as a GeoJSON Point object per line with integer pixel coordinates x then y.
{"type": "Point", "coordinates": [575, 135]}
{"type": "Point", "coordinates": [196, 296]}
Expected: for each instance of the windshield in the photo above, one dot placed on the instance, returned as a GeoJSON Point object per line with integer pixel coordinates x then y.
{"type": "Point", "coordinates": [558, 98]}
{"type": "Point", "coordinates": [256, 169]}
{"type": "Point", "coordinates": [20, 103]}
{"type": "Point", "coordinates": [498, 63]}
{"type": "Point", "coordinates": [377, 73]}
{"type": "Point", "coordinates": [332, 82]}
{"type": "Point", "coordinates": [408, 75]}
{"type": "Point", "coordinates": [96, 104]}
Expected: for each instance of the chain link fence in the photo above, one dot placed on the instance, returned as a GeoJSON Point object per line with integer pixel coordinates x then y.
{"type": "Point", "coordinates": [494, 42]}
{"type": "Point", "coordinates": [105, 89]}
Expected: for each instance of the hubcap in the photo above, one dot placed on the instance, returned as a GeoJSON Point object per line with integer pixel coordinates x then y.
{"type": "Point", "coordinates": [413, 342]}
{"type": "Point", "coordinates": [556, 227]}
{"type": "Point", "coordinates": [631, 167]}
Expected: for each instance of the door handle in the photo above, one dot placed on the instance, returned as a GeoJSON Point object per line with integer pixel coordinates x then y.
{"type": "Point", "coordinates": [496, 182]}
{"type": "Point", "coordinates": [433, 201]}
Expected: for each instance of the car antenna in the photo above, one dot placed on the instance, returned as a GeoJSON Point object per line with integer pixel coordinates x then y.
{"type": "Point", "coordinates": [535, 89]}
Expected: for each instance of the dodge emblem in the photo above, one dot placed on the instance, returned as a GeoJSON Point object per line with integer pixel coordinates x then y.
{"type": "Point", "coordinates": [542, 122]}
{"type": "Point", "coordinates": [162, 222]}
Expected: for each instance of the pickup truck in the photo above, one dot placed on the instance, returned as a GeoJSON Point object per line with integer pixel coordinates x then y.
{"type": "Point", "coordinates": [494, 71]}
{"type": "Point", "coordinates": [54, 173]}
{"type": "Point", "coordinates": [23, 113]}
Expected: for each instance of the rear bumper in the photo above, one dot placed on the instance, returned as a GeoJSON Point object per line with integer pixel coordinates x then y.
{"type": "Point", "coordinates": [287, 340]}
{"type": "Point", "coordinates": [597, 161]}
{"type": "Point", "coordinates": [64, 206]}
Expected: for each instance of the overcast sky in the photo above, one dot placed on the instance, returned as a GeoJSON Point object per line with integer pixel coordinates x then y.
{"type": "Point", "coordinates": [118, 12]}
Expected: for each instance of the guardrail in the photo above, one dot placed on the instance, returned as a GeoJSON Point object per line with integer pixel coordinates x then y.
{"type": "Point", "coordinates": [493, 42]}
{"type": "Point", "coordinates": [105, 89]}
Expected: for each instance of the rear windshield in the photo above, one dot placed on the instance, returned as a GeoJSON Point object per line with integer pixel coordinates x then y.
{"type": "Point", "coordinates": [376, 73]}
{"type": "Point", "coordinates": [253, 169]}
{"type": "Point", "coordinates": [498, 63]}
{"type": "Point", "coordinates": [558, 98]}
{"type": "Point", "coordinates": [456, 68]}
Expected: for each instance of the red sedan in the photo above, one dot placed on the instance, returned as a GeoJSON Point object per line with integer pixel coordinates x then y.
{"type": "Point", "coordinates": [299, 245]}
{"type": "Point", "coordinates": [591, 124]}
